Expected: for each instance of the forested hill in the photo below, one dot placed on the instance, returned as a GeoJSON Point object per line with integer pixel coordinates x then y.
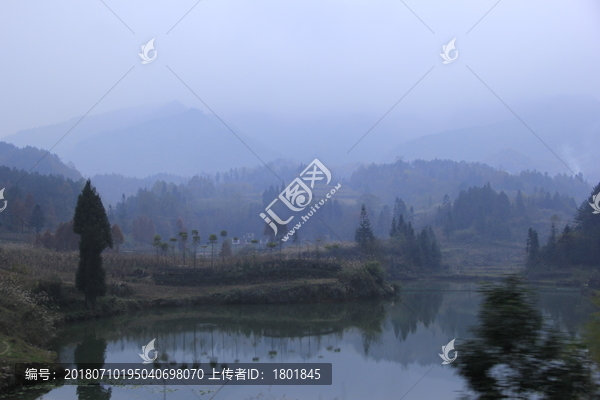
{"type": "Point", "coordinates": [112, 186]}
{"type": "Point", "coordinates": [427, 182]}
{"type": "Point", "coordinates": [55, 195]}
{"type": "Point", "coordinates": [234, 199]}
{"type": "Point", "coordinates": [25, 158]}
{"type": "Point", "coordinates": [415, 182]}
{"type": "Point", "coordinates": [576, 244]}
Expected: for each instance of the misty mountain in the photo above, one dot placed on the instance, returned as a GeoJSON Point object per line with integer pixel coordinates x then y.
{"type": "Point", "coordinates": [568, 125]}
{"type": "Point", "coordinates": [186, 143]}
{"type": "Point", "coordinates": [172, 139]}
{"type": "Point", "coordinates": [25, 159]}
{"type": "Point", "coordinates": [46, 137]}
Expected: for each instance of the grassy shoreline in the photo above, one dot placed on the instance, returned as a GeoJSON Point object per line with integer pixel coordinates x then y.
{"type": "Point", "coordinates": [37, 291]}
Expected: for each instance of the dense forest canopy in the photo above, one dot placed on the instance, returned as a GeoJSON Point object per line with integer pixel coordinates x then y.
{"type": "Point", "coordinates": [55, 195]}
{"type": "Point", "coordinates": [419, 181]}
{"type": "Point", "coordinates": [501, 208]}
{"type": "Point", "coordinates": [576, 244]}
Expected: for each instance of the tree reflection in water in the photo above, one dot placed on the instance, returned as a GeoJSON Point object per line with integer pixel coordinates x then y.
{"type": "Point", "coordinates": [516, 354]}
{"type": "Point", "coordinates": [90, 353]}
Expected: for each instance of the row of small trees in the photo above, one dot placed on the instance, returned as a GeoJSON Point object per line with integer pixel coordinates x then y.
{"type": "Point", "coordinates": [196, 241]}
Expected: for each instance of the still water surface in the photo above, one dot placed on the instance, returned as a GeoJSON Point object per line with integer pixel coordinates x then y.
{"type": "Point", "coordinates": [379, 350]}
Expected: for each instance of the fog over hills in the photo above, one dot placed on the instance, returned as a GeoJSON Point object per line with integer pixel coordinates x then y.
{"type": "Point", "coordinates": [29, 157]}
{"type": "Point", "coordinates": [570, 126]}
{"type": "Point", "coordinates": [45, 137]}
{"type": "Point", "coordinates": [184, 144]}
{"type": "Point", "coordinates": [173, 139]}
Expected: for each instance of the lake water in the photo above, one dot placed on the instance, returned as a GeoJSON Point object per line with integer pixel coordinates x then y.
{"type": "Point", "coordinates": [379, 350]}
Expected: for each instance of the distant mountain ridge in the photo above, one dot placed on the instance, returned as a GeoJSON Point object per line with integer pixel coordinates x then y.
{"type": "Point", "coordinates": [568, 125]}
{"type": "Point", "coordinates": [27, 157]}
{"type": "Point", "coordinates": [174, 139]}
{"type": "Point", "coordinates": [145, 141]}
{"type": "Point", "coordinates": [46, 137]}
{"type": "Point", "coordinates": [185, 144]}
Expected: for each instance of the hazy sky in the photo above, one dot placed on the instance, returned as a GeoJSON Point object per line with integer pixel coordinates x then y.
{"type": "Point", "coordinates": [291, 59]}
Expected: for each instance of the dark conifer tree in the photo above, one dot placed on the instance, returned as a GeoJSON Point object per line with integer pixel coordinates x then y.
{"type": "Point", "coordinates": [226, 249]}
{"type": "Point", "coordinates": [399, 208]}
{"type": "Point", "coordinates": [410, 232]}
{"type": "Point", "coordinates": [37, 220]}
{"type": "Point", "coordinates": [480, 220]}
{"type": "Point", "coordinates": [448, 224]}
{"type": "Point", "coordinates": [533, 247]}
{"type": "Point", "coordinates": [587, 230]}
{"type": "Point", "coordinates": [383, 221]}
{"type": "Point", "coordinates": [551, 244]}
{"type": "Point", "coordinates": [436, 253]}
{"type": "Point", "coordinates": [393, 230]}
{"type": "Point", "coordinates": [401, 227]}
{"type": "Point", "coordinates": [519, 203]}
{"type": "Point", "coordinates": [91, 223]}
{"type": "Point", "coordinates": [424, 252]}
{"type": "Point", "coordinates": [364, 233]}
{"type": "Point", "coordinates": [444, 216]}
{"type": "Point", "coordinates": [117, 235]}
{"type": "Point", "coordinates": [122, 214]}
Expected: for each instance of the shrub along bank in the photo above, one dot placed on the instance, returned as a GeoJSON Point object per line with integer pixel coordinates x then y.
{"type": "Point", "coordinates": [34, 299]}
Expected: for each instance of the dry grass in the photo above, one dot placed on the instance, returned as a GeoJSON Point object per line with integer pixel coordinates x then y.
{"type": "Point", "coordinates": [30, 265]}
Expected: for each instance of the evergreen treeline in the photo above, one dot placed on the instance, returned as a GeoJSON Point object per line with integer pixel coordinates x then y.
{"type": "Point", "coordinates": [575, 245]}
{"type": "Point", "coordinates": [492, 215]}
{"type": "Point", "coordinates": [113, 186]}
{"type": "Point", "coordinates": [412, 249]}
{"type": "Point", "coordinates": [424, 183]}
{"type": "Point", "coordinates": [168, 209]}
{"type": "Point", "coordinates": [233, 200]}
{"type": "Point", "coordinates": [38, 202]}
{"type": "Point", "coordinates": [420, 249]}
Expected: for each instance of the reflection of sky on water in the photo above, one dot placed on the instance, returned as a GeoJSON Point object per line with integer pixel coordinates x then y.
{"type": "Point", "coordinates": [378, 350]}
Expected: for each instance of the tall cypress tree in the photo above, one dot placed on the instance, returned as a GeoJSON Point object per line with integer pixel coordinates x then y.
{"type": "Point", "coordinates": [37, 219]}
{"type": "Point", "coordinates": [424, 258]}
{"type": "Point", "coordinates": [364, 233]}
{"type": "Point", "coordinates": [393, 230]}
{"type": "Point", "coordinates": [401, 229]}
{"type": "Point", "coordinates": [533, 247]}
{"type": "Point", "coordinates": [436, 253]}
{"type": "Point", "coordinates": [91, 222]}
{"type": "Point", "coordinates": [551, 245]}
